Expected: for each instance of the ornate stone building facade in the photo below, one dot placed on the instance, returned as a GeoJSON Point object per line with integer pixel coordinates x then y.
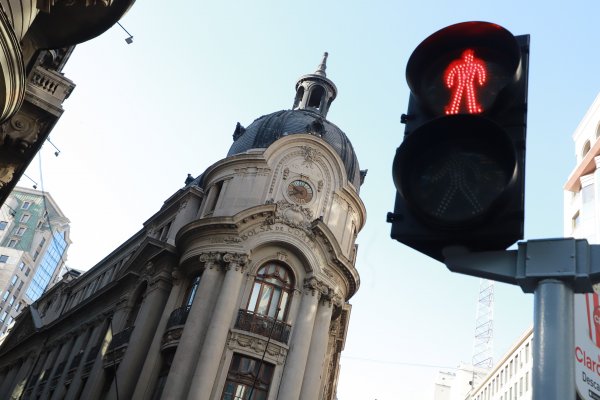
{"type": "Point", "coordinates": [237, 288]}
{"type": "Point", "coordinates": [36, 39]}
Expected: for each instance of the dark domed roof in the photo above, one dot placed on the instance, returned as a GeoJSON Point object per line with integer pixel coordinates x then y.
{"type": "Point", "coordinates": [268, 128]}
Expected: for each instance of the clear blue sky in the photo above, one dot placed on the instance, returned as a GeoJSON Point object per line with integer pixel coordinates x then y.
{"type": "Point", "coordinates": [145, 115]}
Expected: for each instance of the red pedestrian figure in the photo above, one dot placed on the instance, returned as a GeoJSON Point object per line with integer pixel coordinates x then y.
{"type": "Point", "coordinates": [461, 75]}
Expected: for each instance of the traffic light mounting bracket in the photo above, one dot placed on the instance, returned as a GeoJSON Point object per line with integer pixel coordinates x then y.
{"type": "Point", "coordinates": [573, 261]}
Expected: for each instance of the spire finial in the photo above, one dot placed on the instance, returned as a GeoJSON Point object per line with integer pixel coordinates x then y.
{"type": "Point", "coordinates": [323, 66]}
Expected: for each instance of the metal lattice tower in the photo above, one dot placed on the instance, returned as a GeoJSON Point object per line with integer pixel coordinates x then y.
{"type": "Point", "coordinates": [483, 351]}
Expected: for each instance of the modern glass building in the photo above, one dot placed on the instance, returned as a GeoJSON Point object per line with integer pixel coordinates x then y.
{"type": "Point", "coordinates": [34, 238]}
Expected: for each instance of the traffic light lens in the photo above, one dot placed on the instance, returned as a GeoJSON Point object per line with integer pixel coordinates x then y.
{"type": "Point", "coordinates": [459, 186]}
{"type": "Point", "coordinates": [453, 170]}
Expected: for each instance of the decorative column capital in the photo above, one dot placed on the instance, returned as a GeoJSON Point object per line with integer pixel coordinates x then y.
{"type": "Point", "coordinates": [210, 260]}
{"type": "Point", "coordinates": [176, 276]}
{"type": "Point", "coordinates": [235, 261]}
{"type": "Point", "coordinates": [316, 286]}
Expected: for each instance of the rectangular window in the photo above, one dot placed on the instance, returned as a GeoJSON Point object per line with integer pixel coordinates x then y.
{"type": "Point", "coordinates": [12, 300]}
{"type": "Point", "coordinates": [20, 230]}
{"type": "Point", "coordinates": [3, 258]}
{"type": "Point", "coordinates": [13, 280]}
{"type": "Point", "coordinates": [21, 265]}
{"type": "Point", "coordinates": [13, 243]}
{"type": "Point", "coordinates": [5, 295]}
{"type": "Point", "coordinates": [25, 205]}
{"type": "Point", "coordinates": [3, 225]}
{"type": "Point", "coordinates": [3, 316]}
{"type": "Point", "coordinates": [24, 218]}
{"type": "Point", "coordinates": [247, 375]}
{"type": "Point", "coordinates": [214, 196]}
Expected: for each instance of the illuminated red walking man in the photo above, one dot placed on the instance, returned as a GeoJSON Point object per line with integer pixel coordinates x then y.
{"type": "Point", "coordinates": [461, 76]}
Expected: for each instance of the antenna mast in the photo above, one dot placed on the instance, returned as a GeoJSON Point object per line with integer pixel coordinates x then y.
{"type": "Point", "coordinates": [483, 350]}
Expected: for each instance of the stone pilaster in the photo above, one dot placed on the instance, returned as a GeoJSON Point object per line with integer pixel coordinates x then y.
{"type": "Point", "coordinates": [7, 383]}
{"type": "Point", "coordinates": [97, 377]}
{"type": "Point", "coordinates": [60, 391]}
{"type": "Point", "coordinates": [144, 328]}
{"type": "Point", "coordinates": [295, 365]}
{"type": "Point", "coordinates": [147, 380]}
{"type": "Point", "coordinates": [18, 385]}
{"type": "Point", "coordinates": [190, 344]}
{"type": "Point", "coordinates": [220, 322]}
{"type": "Point", "coordinates": [315, 365]}
{"type": "Point", "coordinates": [62, 355]}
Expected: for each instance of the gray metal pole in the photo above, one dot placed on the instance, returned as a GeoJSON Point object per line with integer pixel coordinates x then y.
{"type": "Point", "coordinates": [553, 375]}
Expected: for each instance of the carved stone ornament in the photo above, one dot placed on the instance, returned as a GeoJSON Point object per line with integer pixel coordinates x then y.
{"type": "Point", "coordinates": [236, 261]}
{"type": "Point", "coordinates": [257, 346]}
{"type": "Point", "coordinates": [286, 173]}
{"type": "Point", "coordinates": [316, 286]}
{"type": "Point", "coordinates": [20, 132]}
{"type": "Point", "coordinates": [293, 215]}
{"type": "Point", "coordinates": [6, 173]}
{"type": "Point", "coordinates": [310, 155]}
{"type": "Point", "coordinates": [177, 276]}
{"type": "Point", "coordinates": [210, 258]}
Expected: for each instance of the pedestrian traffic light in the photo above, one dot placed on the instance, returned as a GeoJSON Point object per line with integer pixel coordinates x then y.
{"type": "Point", "coordinates": [459, 172]}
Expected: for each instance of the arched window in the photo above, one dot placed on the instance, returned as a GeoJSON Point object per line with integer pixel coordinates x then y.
{"type": "Point", "coordinates": [191, 292]}
{"type": "Point", "coordinates": [272, 290]}
{"type": "Point", "coordinates": [586, 148]}
{"type": "Point", "coordinates": [316, 95]}
{"type": "Point", "coordinates": [299, 96]}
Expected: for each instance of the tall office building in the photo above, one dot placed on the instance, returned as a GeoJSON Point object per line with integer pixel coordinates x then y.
{"type": "Point", "coordinates": [237, 288]}
{"type": "Point", "coordinates": [34, 238]}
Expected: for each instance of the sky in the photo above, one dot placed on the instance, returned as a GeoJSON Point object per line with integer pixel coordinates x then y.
{"type": "Point", "coordinates": [144, 115]}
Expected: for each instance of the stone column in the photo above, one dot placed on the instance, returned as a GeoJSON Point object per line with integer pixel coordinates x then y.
{"type": "Point", "coordinates": [60, 391]}
{"type": "Point", "coordinates": [144, 328]}
{"type": "Point", "coordinates": [152, 366]}
{"type": "Point", "coordinates": [38, 388]}
{"type": "Point", "coordinates": [95, 381]}
{"type": "Point", "coordinates": [295, 364]}
{"type": "Point", "coordinates": [88, 344]}
{"type": "Point", "coordinates": [216, 337]}
{"type": "Point", "coordinates": [315, 365]}
{"type": "Point", "coordinates": [62, 355]}
{"type": "Point", "coordinates": [188, 349]}
{"type": "Point", "coordinates": [8, 380]}
{"type": "Point", "coordinates": [17, 387]}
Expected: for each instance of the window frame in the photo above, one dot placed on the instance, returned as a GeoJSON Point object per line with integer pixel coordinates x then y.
{"type": "Point", "coordinates": [246, 372]}
{"type": "Point", "coordinates": [267, 281]}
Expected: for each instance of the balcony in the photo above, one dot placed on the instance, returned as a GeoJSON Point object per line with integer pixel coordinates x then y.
{"type": "Point", "coordinates": [263, 325]}
{"type": "Point", "coordinates": [174, 327]}
{"type": "Point", "coordinates": [117, 347]}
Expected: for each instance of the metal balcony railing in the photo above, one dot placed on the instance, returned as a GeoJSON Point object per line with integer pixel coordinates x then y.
{"type": "Point", "coordinates": [262, 325]}
{"type": "Point", "coordinates": [120, 338]}
{"type": "Point", "coordinates": [178, 317]}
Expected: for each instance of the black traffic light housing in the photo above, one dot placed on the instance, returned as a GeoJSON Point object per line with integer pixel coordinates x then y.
{"type": "Point", "coordinates": [459, 173]}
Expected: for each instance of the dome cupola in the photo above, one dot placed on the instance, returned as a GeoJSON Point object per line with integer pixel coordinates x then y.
{"type": "Point", "coordinates": [314, 91]}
